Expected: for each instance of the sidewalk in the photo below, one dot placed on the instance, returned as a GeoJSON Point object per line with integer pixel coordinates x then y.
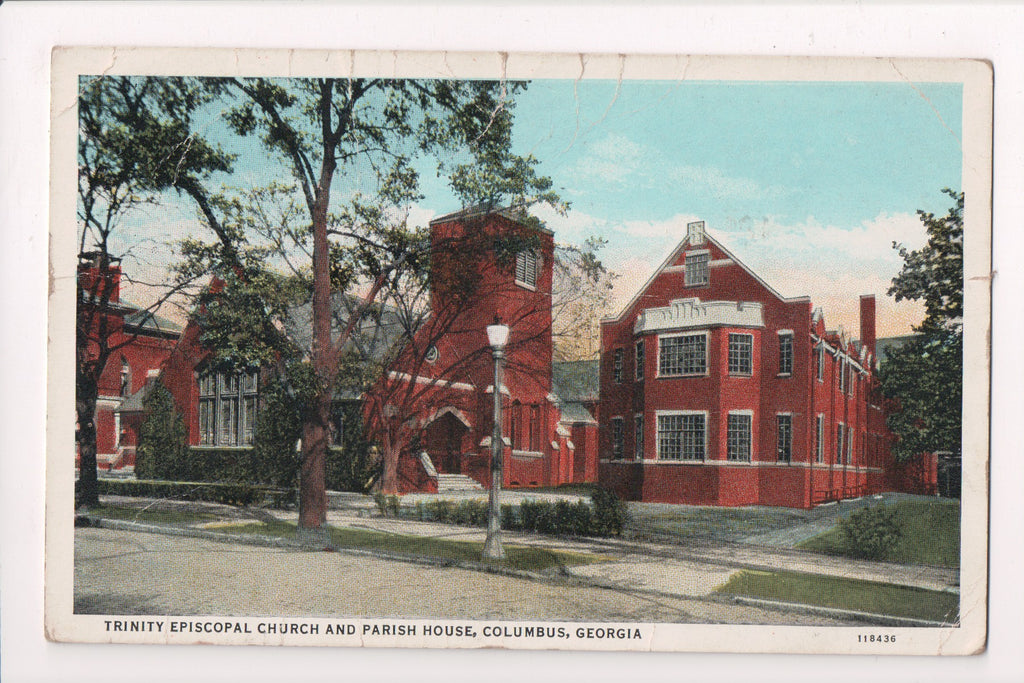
{"type": "Point", "coordinates": [687, 571]}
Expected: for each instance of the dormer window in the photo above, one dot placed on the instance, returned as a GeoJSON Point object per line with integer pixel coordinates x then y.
{"type": "Point", "coordinates": [697, 268]}
{"type": "Point", "coordinates": [526, 268]}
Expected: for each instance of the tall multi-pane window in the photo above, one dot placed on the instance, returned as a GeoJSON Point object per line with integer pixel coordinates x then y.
{"type": "Point", "coordinates": [819, 439]}
{"type": "Point", "coordinates": [840, 440]}
{"type": "Point", "coordinates": [849, 446]}
{"type": "Point", "coordinates": [682, 436]}
{"type": "Point", "coordinates": [685, 354]}
{"type": "Point", "coordinates": [786, 354]}
{"type": "Point", "coordinates": [617, 365]}
{"type": "Point", "coordinates": [820, 358]}
{"type": "Point", "coordinates": [842, 375]}
{"type": "Point", "coordinates": [227, 408]}
{"type": "Point", "coordinates": [741, 354]}
{"type": "Point", "coordinates": [697, 269]}
{"type": "Point", "coordinates": [784, 447]}
{"type": "Point", "coordinates": [534, 442]}
{"type": "Point", "coordinates": [638, 437]}
{"type": "Point", "coordinates": [526, 268]}
{"type": "Point", "coordinates": [617, 438]}
{"type": "Point", "coordinates": [639, 360]}
{"type": "Point", "coordinates": [738, 436]}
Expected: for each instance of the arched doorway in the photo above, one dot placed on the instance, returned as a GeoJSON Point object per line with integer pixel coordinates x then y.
{"type": "Point", "coordinates": [445, 440]}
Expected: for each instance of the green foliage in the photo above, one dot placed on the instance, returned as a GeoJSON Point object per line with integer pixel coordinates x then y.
{"type": "Point", "coordinates": [277, 430]}
{"type": "Point", "coordinates": [389, 506]}
{"type": "Point", "coordinates": [924, 378]}
{"type": "Point", "coordinates": [161, 451]}
{"type": "Point", "coordinates": [610, 513]}
{"type": "Point", "coordinates": [240, 495]}
{"type": "Point", "coordinates": [871, 533]}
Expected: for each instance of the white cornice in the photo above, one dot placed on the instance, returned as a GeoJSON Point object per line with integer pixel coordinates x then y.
{"type": "Point", "coordinates": [683, 314]}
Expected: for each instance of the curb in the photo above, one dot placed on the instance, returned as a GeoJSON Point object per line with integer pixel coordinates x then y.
{"type": "Point", "coordinates": [554, 574]}
{"type": "Point", "coordinates": [866, 617]}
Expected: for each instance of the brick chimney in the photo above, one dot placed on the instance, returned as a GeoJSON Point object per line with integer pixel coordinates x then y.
{"type": "Point", "coordinates": [95, 280]}
{"type": "Point", "coordinates": [867, 322]}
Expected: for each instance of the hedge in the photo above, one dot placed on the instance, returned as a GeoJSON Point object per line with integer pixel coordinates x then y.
{"type": "Point", "coordinates": [241, 495]}
{"type": "Point", "coordinates": [605, 516]}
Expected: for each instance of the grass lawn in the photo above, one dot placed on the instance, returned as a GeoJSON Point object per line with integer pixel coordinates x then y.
{"type": "Point", "coordinates": [516, 557]}
{"type": "Point", "coordinates": [931, 535]}
{"type": "Point", "coordinates": [156, 516]}
{"type": "Point", "coordinates": [842, 593]}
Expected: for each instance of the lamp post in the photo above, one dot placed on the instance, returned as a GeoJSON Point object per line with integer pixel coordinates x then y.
{"type": "Point", "coordinates": [497, 337]}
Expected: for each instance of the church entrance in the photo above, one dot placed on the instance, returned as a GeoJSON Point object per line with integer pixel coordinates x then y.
{"type": "Point", "coordinates": [445, 440]}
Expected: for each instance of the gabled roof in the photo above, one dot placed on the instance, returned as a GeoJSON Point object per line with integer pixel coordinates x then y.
{"type": "Point", "coordinates": [375, 337]}
{"type": "Point", "coordinates": [576, 380]}
{"type": "Point", "coordinates": [674, 256]}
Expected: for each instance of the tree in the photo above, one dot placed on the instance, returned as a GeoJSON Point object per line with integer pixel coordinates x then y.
{"type": "Point", "coordinates": [162, 449]}
{"type": "Point", "coordinates": [365, 135]}
{"type": "Point", "coordinates": [924, 378]}
{"type": "Point", "coordinates": [581, 296]}
{"type": "Point", "coordinates": [134, 141]}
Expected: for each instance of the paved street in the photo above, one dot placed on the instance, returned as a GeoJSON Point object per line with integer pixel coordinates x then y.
{"type": "Point", "coordinates": [121, 572]}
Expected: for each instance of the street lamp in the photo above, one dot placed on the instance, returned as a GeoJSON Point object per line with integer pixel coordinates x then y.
{"type": "Point", "coordinates": [497, 337]}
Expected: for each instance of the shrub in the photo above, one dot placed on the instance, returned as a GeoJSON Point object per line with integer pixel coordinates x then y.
{"type": "Point", "coordinates": [871, 533]}
{"type": "Point", "coordinates": [161, 452]}
{"type": "Point", "coordinates": [389, 506]}
{"type": "Point", "coordinates": [610, 513]}
{"type": "Point", "coordinates": [239, 495]}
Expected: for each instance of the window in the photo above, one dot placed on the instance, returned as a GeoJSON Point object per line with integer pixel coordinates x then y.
{"type": "Point", "coordinates": [821, 362]}
{"type": "Point", "coordinates": [741, 354]}
{"type": "Point", "coordinates": [515, 419]}
{"type": "Point", "coordinates": [840, 440]}
{"type": "Point", "coordinates": [786, 354]}
{"type": "Point", "coordinates": [697, 269]}
{"type": "Point", "coordinates": [617, 367]}
{"type": "Point", "coordinates": [534, 428]}
{"type": "Point", "coordinates": [126, 377]}
{"type": "Point", "coordinates": [849, 445]}
{"type": "Point", "coordinates": [842, 375]}
{"type": "Point", "coordinates": [738, 437]}
{"type": "Point", "coordinates": [638, 437]}
{"type": "Point", "coordinates": [640, 360]}
{"type": "Point", "coordinates": [683, 355]}
{"type": "Point", "coordinates": [819, 439]}
{"type": "Point", "coordinates": [227, 408]}
{"type": "Point", "coordinates": [682, 436]}
{"type": "Point", "coordinates": [431, 354]}
{"type": "Point", "coordinates": [526, 268]}
{"type": "Point", "coordinates": [617, 438]}
{"type": "Point", "coordinates": [785, 437]}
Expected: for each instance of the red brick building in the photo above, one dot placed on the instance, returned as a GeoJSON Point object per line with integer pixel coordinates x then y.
{"type": "Point", "coordinates": [441, 385]}
{"type": "Point", "coordinates": [717, 390]}
{"type": "Point", "coordinates": [140, 343]}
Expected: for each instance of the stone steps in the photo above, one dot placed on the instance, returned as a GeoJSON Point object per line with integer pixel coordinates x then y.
{"type": "Point", "coordinates": [457, 482]}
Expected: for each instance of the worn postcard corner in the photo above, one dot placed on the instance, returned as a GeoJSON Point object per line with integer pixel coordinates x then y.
{"type": "Point", "coordinates": [639, 360]}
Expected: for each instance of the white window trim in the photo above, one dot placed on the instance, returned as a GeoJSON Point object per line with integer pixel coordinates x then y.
{"type": "Point", "coordinates": [638, 364]}
{"type": "Point", "coordinates": [749, 413]}
{"type": "Point", "coordinates": [792, 351]}
{"type": "Point", "coordinates": [792, 432]}
{"type": "Point", "coordinates": [688, 333]}
{"type": "Point", "coordinates": [657, 440]}
{"type": "Point", "coordinates": [618, 364]}
{"type": "Point", "coordinates": [819, 446]}
{"type": "Point", "coordinates": [638, 453]}
{"type": "Point", "coordinates": [840, 442]}
{"type": "Point", "coordinates": [819, 349]}
{"type": "Point", "coordinates": [729, 372]}
{"type": "Point", "coordinates": [536, 272]}
{"type": "Point", "coordinates": [696, 252]}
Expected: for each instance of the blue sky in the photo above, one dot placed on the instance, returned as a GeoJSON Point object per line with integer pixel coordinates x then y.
{"type": "Point", "coordinates": [808, 183]}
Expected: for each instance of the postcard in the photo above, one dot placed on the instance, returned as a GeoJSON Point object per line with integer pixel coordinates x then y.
{"type": "Point", "coordinates": [526, 351]}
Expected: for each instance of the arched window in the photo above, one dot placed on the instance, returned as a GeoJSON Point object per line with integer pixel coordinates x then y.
{"type": "Point", "coordinates": [126, 377]}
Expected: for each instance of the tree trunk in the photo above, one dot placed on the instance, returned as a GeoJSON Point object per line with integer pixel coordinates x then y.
{"type": "Point", "coordinates": [313, 488]}
{"type": "Point", "coordinates": [87, 491]}
{"type": "Point", "coordinates": [389, 480]}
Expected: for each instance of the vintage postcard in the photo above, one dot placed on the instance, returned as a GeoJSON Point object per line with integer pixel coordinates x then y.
{"type": "Point", "coordinates": [580, 352]}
